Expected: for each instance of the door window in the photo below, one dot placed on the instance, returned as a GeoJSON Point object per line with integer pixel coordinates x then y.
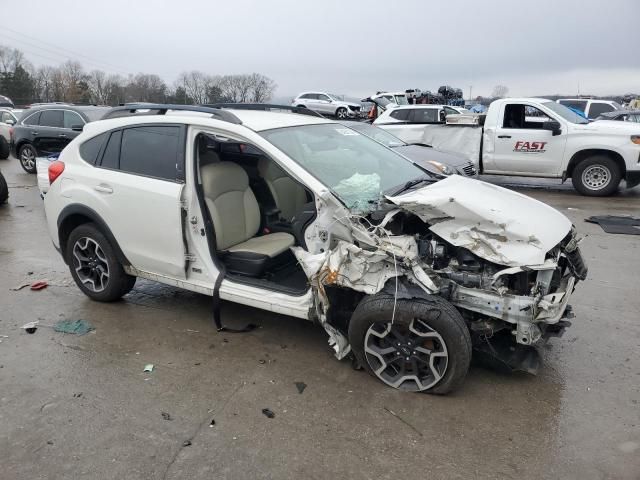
{"type": "Point", "coordinates": [597, 109]}
{"type": "Point", "coordinates": [72, 119]}
{"type": "Point", "coordinates": [5, 116]}
{"type": "Point", "coordinates": [89, 150]}
{"type": "Point", "coordinates": [400, 114]}
{"type": "Point", "coordinates": [32, 119]}
{"type": "Point", "coordinates": [520, 116]}
{"type": "Point", "coordinates": [424, 115]}
{"type": "Point", "coordinates": [111, 156]}
{"type": "Point", "coordinates": [450, 111]}
{"type": "Point", "coordinates": [153, 151]}
{"type": "Point", "coordinates": [633, 118]}
{"type": "Point", "coordinates": [52, 118]}
{"type": "Point", "coordinates": [323, 97]}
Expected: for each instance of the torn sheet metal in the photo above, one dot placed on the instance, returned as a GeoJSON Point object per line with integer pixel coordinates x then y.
{"type": "Point", "coordinates": [349, 266]}
{"type": "Point", "coordinates": [496, 224]}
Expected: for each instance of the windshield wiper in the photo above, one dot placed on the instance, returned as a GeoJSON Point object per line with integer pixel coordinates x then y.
{"type": "Point", "coordinates": [410, 184]}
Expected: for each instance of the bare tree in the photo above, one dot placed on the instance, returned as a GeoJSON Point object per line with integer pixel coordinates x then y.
{"type": "Point", "coordinates": [195, 85]}
{"type": "Point", "coordinates": [98, 87]}
{"type": "Point", "coordinates": [10, 59]}
{"type": "Point", "coordinates": [500, 91]}
{"type": "Point", "coordinates": [262, 88]}
{"type": "Point", "coordinates": [43, 83]}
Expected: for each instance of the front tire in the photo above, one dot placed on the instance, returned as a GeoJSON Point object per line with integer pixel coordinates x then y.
{"type": "Point", "coordinates": [94, 265]}
{"type": "Point", "coordinates": [597, 176]}
{"type": "Point", "coordinates": [426, 349]}
{"type": "Point", "coordinates": [342, 114]}
{"type": "Point", "coordinates": [27, 156]}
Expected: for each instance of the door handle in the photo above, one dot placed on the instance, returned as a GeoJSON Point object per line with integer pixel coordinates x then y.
{"type": "Point", "coordinates": [504, 136]}
{"type": "Point", "coordinates": [103, 188]}
{"type": "Point", "coordinates": [34, 133]}
{"type": "Point", "coordinates": [62, 135]}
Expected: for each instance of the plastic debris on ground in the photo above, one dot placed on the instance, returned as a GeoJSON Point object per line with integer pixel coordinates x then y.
{"type": "Point", "coordinates": [20, 287]}
{"type": "Point", "coordinates": [30, 327]}
{"type": "Point", "coordinates": [75, 327]}
{"type": "Point", "coordinates": [617, 224]}
{"type": "Point", "coordinates": [300, 386]}
{"type": "Point", "coordinates": [39, 285]}
{"type": "Point", "coordinates": [166, 416]}
{"type": "Point", "coordinates": [148, 367]}
{"type": "Point", "coordinates": [268, 413]}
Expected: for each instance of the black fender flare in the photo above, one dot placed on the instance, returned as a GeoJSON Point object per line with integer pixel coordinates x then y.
{"type": "Point", "coordinates": [77, 214]}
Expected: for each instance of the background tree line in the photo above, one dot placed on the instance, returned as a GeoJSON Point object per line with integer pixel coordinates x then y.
{"type": "Point", "coordinates": [69, 82]}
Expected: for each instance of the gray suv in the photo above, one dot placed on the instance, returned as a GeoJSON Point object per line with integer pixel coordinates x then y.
{"type": "Point", "coordinates": [328, 104]}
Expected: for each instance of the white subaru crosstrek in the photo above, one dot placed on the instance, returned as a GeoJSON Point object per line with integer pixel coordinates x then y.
{"type": "Point", "coordinates": [296, 214]}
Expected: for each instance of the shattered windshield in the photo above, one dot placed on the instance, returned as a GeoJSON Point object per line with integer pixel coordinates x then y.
{"type": "Point", "coordinates": [566, 113]}
{"type": "Point", "coordinates": [356, 168]}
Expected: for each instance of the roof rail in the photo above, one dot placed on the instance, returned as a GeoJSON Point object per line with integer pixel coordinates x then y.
{"type": "Point", "coordinates": [132, 110]}
{"type": "Point", "coordinates": [267, 107]}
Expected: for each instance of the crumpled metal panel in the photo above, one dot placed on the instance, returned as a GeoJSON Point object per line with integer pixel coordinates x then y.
{"type": "Point", "coordinates": [496, 224]}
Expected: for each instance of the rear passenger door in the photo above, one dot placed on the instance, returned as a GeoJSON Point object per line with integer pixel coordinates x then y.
{"type": "Point", "coordinates": [138, 192]}
{"type": "Point", "coordinates": [49, 136]}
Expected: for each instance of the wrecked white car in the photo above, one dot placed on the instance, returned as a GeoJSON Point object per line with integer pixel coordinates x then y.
{"type": "Point", "coordinates": [293, 213]}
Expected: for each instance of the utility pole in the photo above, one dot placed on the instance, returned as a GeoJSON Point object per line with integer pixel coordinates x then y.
{"type": "Point", "coordinates": [470, 89]}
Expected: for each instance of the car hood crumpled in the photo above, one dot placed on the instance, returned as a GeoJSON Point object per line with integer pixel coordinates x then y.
{"type": "Point", "coordinates": [494, 223]}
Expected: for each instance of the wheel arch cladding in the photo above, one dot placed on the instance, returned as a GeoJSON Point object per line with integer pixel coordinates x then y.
{"type": "Point", "coordinates": [592, 152]}
{"type": "Point", "coordinates": [75, 215]}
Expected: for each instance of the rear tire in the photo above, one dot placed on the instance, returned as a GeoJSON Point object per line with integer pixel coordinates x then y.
{"type": "Point", "coordinates": [597, 176]}
{"type": "Point", "coordinates": [94, 265]}
{"type": "Point", "coordinates": [5, 150]}
{"type": "Point", "coordinates": [4, 190]}
{"type": "Point", "coordinates": [428, 340]}
{"type": "Point", "coordinates": [27, 157]}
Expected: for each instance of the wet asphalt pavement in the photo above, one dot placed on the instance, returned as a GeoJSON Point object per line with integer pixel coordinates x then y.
{"type": "Point", "coordinates": [82, 407]}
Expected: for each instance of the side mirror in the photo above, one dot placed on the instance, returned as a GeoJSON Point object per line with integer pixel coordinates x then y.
{"type": "Point", "coordinates": [553, 126]}
{"type": "Point", "coordinates": [10, 121]}
{"type": "Point", "coordinates": [77, 128]}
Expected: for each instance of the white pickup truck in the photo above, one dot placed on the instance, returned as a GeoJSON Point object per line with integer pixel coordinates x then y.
{"type": "Point", "coordinates": [535, 137]}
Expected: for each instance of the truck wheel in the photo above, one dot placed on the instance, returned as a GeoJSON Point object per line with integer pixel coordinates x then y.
{"type": "Point", "coordinates": [426, 349]}
{"type": "Point", "coordinates": [597, 176]}
{"type": "Point", "coordinates": [4, 148]}
{"type": "Point", "coordinates": [27, 156]}
{"type": "Point", "coordinates": [4, 190]}
{"type": "Point", "coordinates": [342, 113]}
{"type": "Point", "coordinates": [94, 265]}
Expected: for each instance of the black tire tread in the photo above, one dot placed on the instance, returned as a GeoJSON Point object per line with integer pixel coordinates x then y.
{"type": "Point", "coordinates": [4, 189]}
{"type": "Point", "coordinates": [384, 302]}
{"type": "Point", "coordinates": [22, 147]}
{"type": "Point", "coordinates": [5, 150]}
{"type": "Point", "coordinates": [120, 283]}
{"type": "Point", "coordinates": [576, 176]}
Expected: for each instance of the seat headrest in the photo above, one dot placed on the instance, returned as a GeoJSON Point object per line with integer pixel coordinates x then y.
{"type": "Point", "coordinates": [270, 170]}
{"type": "Point", "coordinates": [223, 177]}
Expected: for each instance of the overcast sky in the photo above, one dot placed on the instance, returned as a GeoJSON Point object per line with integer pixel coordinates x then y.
{"type": "Point", "coordinates": [346, 47]}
